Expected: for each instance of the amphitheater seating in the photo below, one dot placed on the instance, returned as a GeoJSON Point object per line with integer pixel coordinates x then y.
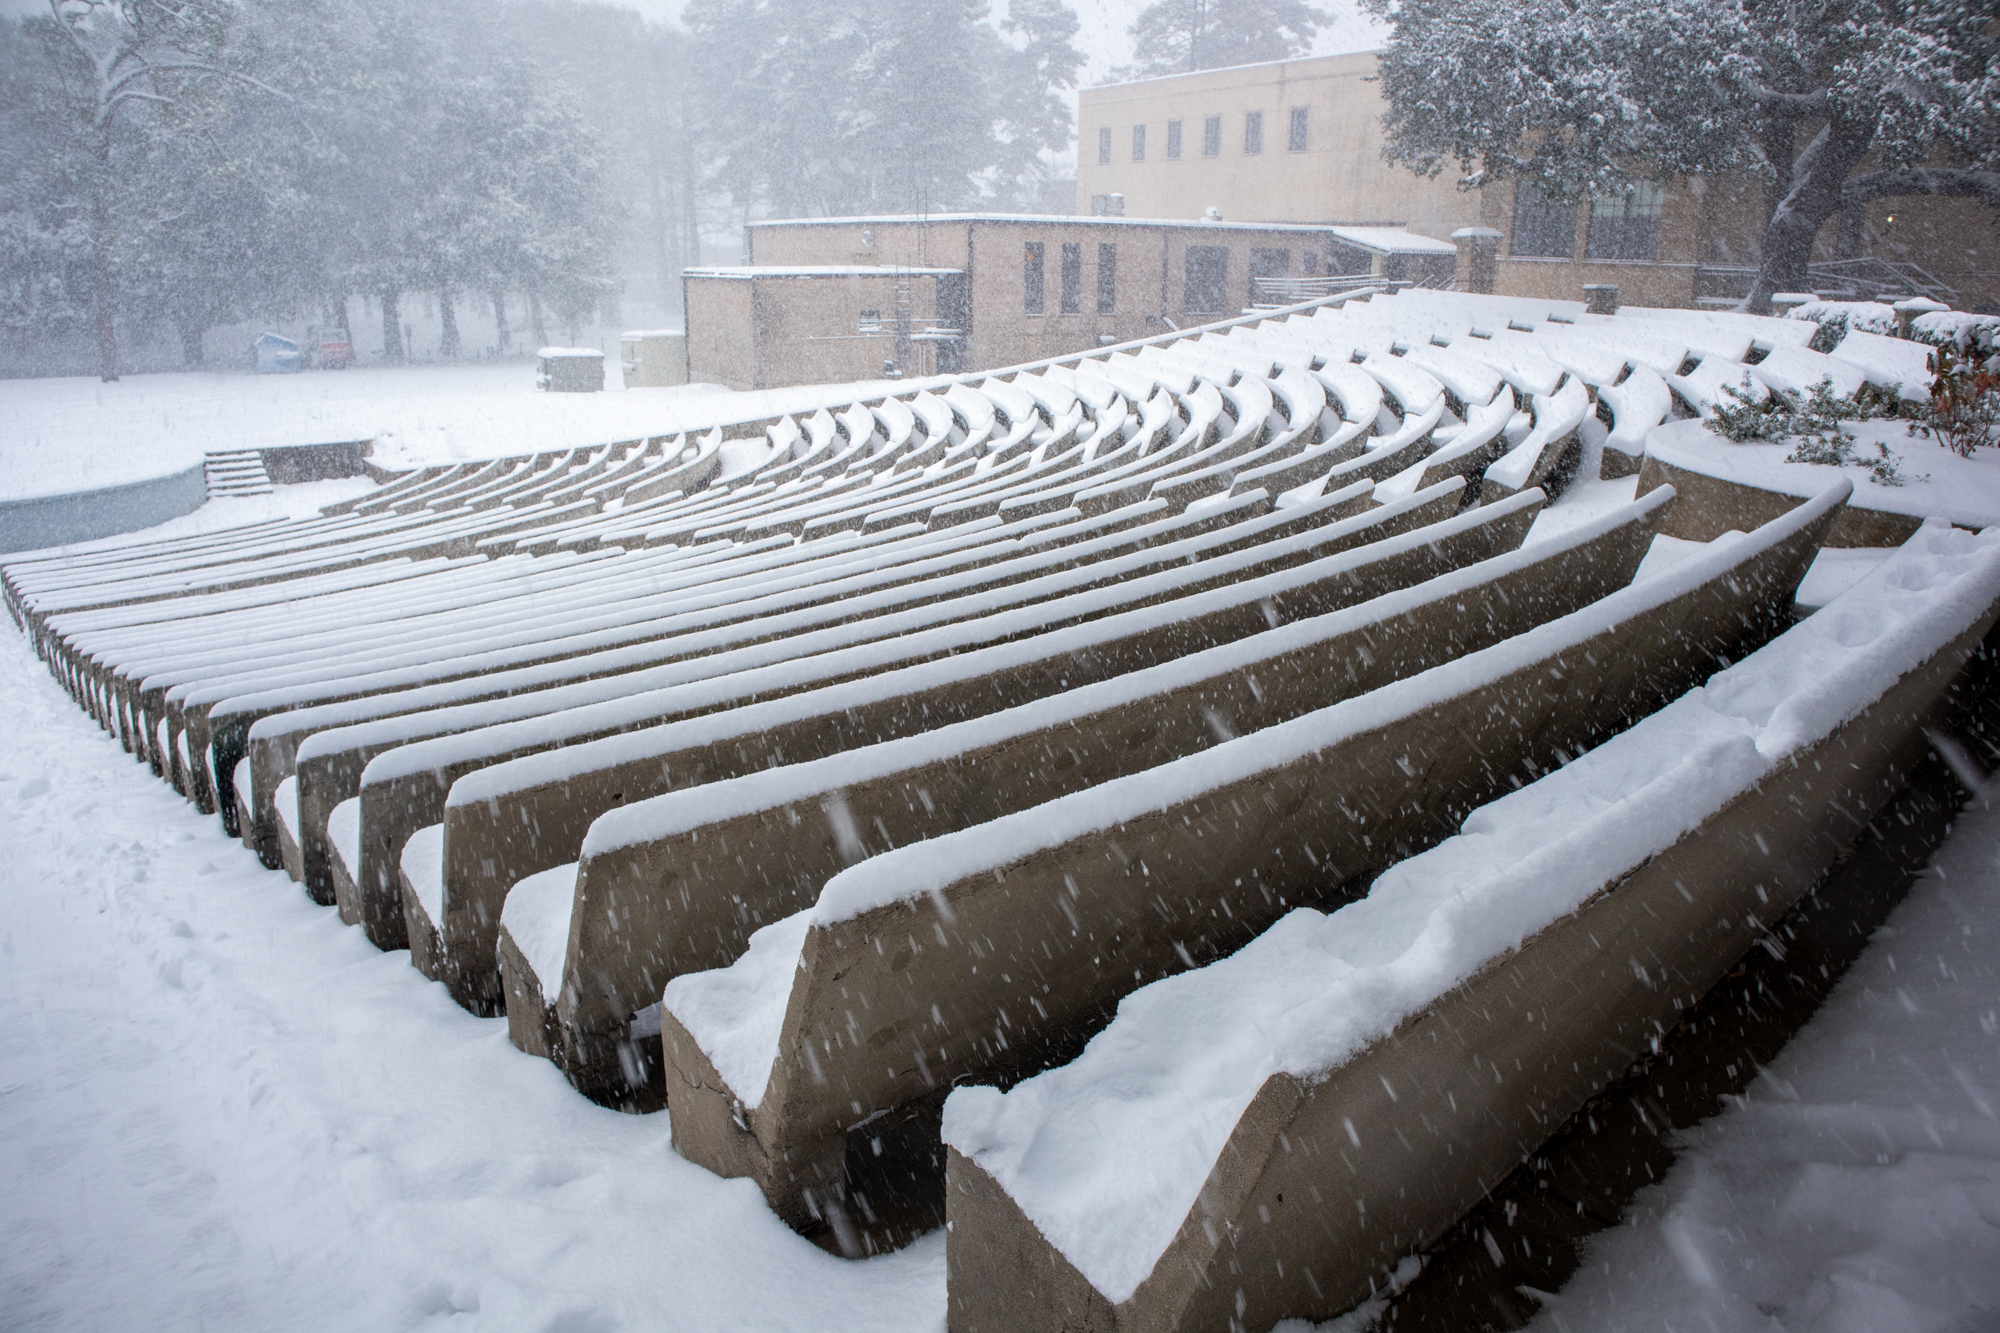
{"type": "Point", "coordinates": [802, 768]}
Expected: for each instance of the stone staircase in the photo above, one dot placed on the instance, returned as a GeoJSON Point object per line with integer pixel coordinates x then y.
{"type": "Point", "coordinates": [236, 472]}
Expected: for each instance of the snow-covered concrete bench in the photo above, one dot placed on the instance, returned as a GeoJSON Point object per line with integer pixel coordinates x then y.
{"type": "Point", "coordinates": [941, 577]}
{"type": "Point", "coordinates": [773, 1062]}
{"type": "Point", "coordinates": [519, 814]}
{"type": "Point", "coordinates": [1318, 1105]}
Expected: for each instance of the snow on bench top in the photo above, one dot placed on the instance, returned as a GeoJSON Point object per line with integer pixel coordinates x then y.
{"type": "Point", "coordinates": [536, 915]}
{"type": "Point", "coordinates": [1106, 1155]}
{"type": "Point", "coordinates": [1024, 640]}
{"type": "Point", "coordinates": [909, 872]}
{"type": "Point", "coordinates": [805, 628]}
{"type": "Point", "coordinates": [694, 807]}
{"type": "Point", "coordinates": [1937, 482]}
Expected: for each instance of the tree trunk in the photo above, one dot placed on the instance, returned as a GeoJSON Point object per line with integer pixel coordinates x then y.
{"type": "Point", "coordinates": [536, 326]}
{"type": "Point", "coordinates": [1818, 175]}
{"type": "Point", "coordinates": [191, 351]}
{"type": "Point", "coordinates": [392, 330]}
{"type": "Point", "coordinates": [339, 304]}
{"type": "Point", "coordinates": [448, 313]}
{"type": "Point", "coordinates": [505, 334]}
{"type": "Point", "coordinates": [100, 295]}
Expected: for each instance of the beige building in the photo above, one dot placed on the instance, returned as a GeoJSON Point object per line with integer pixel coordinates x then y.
{"type": "Point", "coordinates": [1300, 141]}
{"type": "Point", "coordinates": [823, 300]}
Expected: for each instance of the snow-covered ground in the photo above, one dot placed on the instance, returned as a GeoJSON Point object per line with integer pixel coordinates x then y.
{"type": "Point", "coordinates": [222, 1109]}
{"type": "Point", "coordinates": [1857, 1185]}
{"type": "Point", "coordinates": [76, 434]}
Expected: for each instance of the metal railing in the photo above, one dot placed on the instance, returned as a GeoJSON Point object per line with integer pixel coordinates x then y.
{"type": "Point", "coordinates": [1272, 293]}
{"type": "Point", "coordinates": [1850, 279]}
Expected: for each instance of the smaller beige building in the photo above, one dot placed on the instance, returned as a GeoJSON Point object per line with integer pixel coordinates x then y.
{"type": "Point", "coordinates": [824, 300]}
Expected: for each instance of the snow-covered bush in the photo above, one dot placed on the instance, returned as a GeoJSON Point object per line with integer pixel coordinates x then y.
{"type": "Point", "coordinates": [1813, 421]}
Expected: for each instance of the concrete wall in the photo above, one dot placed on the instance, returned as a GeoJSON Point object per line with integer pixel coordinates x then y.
{"type": "Point", "coordinates": [1339, 176]}
{"type": "Point", "coordinates": [57, 520]}
{"type": "Point", "coordinates": [756, 332]}
{"type": "Point", "coordinates": [316, 462]}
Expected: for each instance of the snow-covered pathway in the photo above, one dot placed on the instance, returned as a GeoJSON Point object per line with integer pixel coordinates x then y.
{"type": "Point", "coordinates": [221, 1109]}
{"type": "Point", "coordinates": [1857, 1185]}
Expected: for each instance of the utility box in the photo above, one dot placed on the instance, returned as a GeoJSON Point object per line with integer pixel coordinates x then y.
{"type": "Point", "coordinates": [569, 370]}
{"type": "Point", "coordinates": [653, 358]}
{"type": "Point", "coordinates": [272, 355]}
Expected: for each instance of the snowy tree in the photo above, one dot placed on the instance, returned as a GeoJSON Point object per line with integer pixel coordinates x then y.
{"type": "Point", "coordinates": [108, 68]}
{"type": "Point", "coordinates": [827, 107]}
{"type": "Point", "coordinates": [1834, 102]}
{"type": "Point", "coordinates": [1176, 36]}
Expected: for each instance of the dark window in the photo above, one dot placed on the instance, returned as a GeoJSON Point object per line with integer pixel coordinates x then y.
{"type": "Point", "coordinates": [1346, 260]}
{"type": "Point", "coordinates": [1107, 278]}
{"type": "Point", "coordinates": [1253, 132]}
{"type": "Point", "coordinates": [1173, 138]}
{"type": "Point", "coordinates": [1270, 263]}
{"type": "Point", "coordinates": [1625, 225]}
{"type": "Point", "coordinates": [1104, 146]}
{"type": "Point", "coordinates": [954, 306]}
{"type": "Point", "coordinates": [1031, 279]}
{"type": "Point", "coordinates": [1138, 143]}
{"type": "Point", "coordinates": [1072, 277]}
{"type": "Point", "coordinates": [1211, 136]}
{"type": "Point", "coordinates": [1207, 289]}
{"type": "Point", "coordinates": [1544, 228]}
{"type": "Point", "coordinates": [1297, 143]}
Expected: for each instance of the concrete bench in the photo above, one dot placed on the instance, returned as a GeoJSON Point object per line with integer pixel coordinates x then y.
{"type": "Point", "coordinates": [1146, 874]}
{"type": "Point", "coordinates": [1336, 1105]}
{"type": "Point", "coordinates": [596, 758]}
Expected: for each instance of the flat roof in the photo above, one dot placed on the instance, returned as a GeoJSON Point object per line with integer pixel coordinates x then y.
{"type": "Point", "coordinates": [811, 271]}
{"type": "Point", "coordinates": [1231, 69]}
{"type": "Point", "coordinates": [1390, 239]}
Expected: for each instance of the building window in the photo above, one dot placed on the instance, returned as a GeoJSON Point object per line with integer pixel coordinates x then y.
{"type": "Point", "coordinates": [1625, 225]}
{"type": "Point", "coordinates": [1544, 228]}
{"type": "Point", "coordinates": [1138, 143]}
{"type": "Point", "coordinates": [1072, 277]}
{"type": "Point", "coordinates": [1031, 279]}
{"type": "Point", "coordinates": [1104, 146]}
{"type": "Point", "coordinates": [1253, 132]}
{"type": "Point", "coordinates": [1107, 278]}
{"type": "Point", "coordinates": [1206, 291]}
{"type": "Point", "coordinates": [1211, 137]}
{"type": "Point", "coordinates": [1309, 261]}
{"type": "Point", "coordinates": [1297, 142]}
{"type": "Point", "coordinates": [1173, 138]}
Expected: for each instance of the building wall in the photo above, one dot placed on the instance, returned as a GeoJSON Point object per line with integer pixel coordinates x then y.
{"type": "Point", "coordinates": [1338, 177]}
{"type": "Point", "coordinates": [1149, 288]}
{"type": "Point", "coordinates": [722, 346]}
{"type": "Point", "coordinates": [764, 332]}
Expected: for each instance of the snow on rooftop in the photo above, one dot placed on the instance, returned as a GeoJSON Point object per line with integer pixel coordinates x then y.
{"type": "Point", "coordinates": [810, 271]}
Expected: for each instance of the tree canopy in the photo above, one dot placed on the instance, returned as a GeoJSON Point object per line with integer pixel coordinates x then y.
{"type": "Point", "coordinates": [1177, 36]}
{"type": "Point", "coordinates": [813, 107]}
{"type": "Point", "coordinates": [1834, 102]}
